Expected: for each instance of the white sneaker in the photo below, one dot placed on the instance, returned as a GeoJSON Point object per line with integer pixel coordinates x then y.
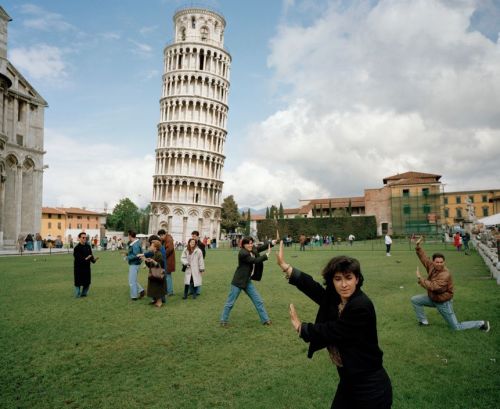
{"type": "Point", "coordinates": [485, 327]}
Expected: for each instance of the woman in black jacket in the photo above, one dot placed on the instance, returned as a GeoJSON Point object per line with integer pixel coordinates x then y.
{"type": "Point", "coordinates": [346, 326]}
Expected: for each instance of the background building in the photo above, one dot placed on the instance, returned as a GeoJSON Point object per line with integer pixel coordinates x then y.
{"type": "Point", "coordinates": [462, 206]}
{"type": "Point", "coordinates": [21, 149]}
{"type": "Point", "coordinates": [187, 184]}
{"type": "Point", "coordinates": [70, 221]}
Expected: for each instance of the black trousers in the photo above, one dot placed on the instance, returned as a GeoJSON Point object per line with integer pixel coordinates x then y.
{"type": "Point", "coordinates": [367, 391]}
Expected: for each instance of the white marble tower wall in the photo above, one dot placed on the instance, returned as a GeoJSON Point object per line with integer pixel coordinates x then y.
{"type": "Point", "coordinates": [187, 184]}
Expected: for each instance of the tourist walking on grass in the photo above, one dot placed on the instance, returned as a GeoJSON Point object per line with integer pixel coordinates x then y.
{"type": "Point", "coordinates": [250, 267]}
{"type": "Point", "coordinates": [134, 262]}
{"type": "Point", "coordinates": [193, 266]}
{"type": "Point", "coordinates": [346, 326]}
{"type": "Point", "coordinates": [439, 286]}
{"type": "Point", "coordinates": [351, 238]}
{"type": "Point", "coordinates": [388, 243]}
{"type": "Point", "coordinates": [157, 286]}
{"type": "Point", "coordinates": [302, 241]}
{"type": "Point", "coordinates": [82, 254]}
{"type": "Point", "coordinates": [457, 241]}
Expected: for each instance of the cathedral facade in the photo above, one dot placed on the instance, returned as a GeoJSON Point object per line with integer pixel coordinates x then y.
{"type": "Point", "coordinates": [187, 184]}
{"type": "Point", "coordinates": [21, 149]}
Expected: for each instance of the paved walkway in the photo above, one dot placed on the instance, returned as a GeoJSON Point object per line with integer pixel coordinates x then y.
{"type": "Point", "coordinates": [45, 252]}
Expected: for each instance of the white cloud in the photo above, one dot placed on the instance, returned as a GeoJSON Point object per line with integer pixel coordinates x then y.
{"type": "Point", "coordinates": [376, 90]}
{"type": "Point", "coordinates": [110, 35]}
{"type": "Point", "coordinates": [40, 19]}
{"type": "Point", "coordinates": [147, 30]}
{"type": "Point", "coordinates": [90, 174]}
{"type": "Point", "coordinates": [141, 48]}
{"type": "Point", "coordinates": [40, 61]}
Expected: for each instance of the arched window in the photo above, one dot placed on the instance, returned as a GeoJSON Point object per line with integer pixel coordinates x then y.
{"type": "Point", "coordinates": [183, 33]}
{"type": "Point", "coordinates": [204, 33]}
{"type": "Point", "coordinates": [193, 22]}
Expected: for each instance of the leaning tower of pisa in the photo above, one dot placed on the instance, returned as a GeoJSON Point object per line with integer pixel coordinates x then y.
{"type": "Point", "coordinates": [187, 184]}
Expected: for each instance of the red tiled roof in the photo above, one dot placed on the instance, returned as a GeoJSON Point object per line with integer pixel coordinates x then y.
{"type": "Point", "coordinates": [291, 211]}
{"type": "Point", "coordinates": [69, 210]}
{"type": "Point", "coordinates": [76, 210]}
{"type": "Point", "coordinates": [257, 217]}
{"type": "Point", "coordinates": [411, 176]}
{"type": "Point", "coordinates": [414, 181]}
{"type": "Point", "coordinates": [52, 210]}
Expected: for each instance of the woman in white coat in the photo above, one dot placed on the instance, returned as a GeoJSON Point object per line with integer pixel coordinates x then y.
{"type": "Point", "coordinates": [193, 266]}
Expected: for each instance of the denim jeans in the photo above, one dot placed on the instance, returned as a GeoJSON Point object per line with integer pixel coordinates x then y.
{"type": "Point", "coordinates": [82, 293]}
{"type": "Point", "coordinates": [135, 287]}
{"type": "Point", "coordinates": [254, 295]}
{"type": "Point", "coordinates": [170, 284]}
{"type": "Point", "coordinates": [445, 309]}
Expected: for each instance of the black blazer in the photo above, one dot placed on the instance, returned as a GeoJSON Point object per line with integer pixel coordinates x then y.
{"type": "Point", "coordinates": [246, 264]}
{"type": "Point", "coordinates": [354, 333]}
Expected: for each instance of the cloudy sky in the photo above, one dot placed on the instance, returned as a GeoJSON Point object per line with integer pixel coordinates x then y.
{"type": "Point", "coordinates": [327, 97]}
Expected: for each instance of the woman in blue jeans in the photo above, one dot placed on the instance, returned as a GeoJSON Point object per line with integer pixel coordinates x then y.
{"type": "Point", "coordinates": [250, 267]}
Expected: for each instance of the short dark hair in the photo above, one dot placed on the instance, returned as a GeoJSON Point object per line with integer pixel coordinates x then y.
{"type": "Point", "coordinates": [81, 233]}
{"type": "Point", "coordinates": [438, 255]}
{"type": "Point", "coordinates": [246, 240]}
{"type": "Point", "coordinates": [153, 237]}
{"type": "Point", "coordinates": [195, 232]}
{"type": "Point", "coordinates": [161, 232]}
{"type": "Point", "coordinates": [131, 233]}
{"type": "Point", "coordinates": [342, 264]}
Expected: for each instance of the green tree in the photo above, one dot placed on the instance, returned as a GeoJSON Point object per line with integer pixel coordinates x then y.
{"type": "Point", "coordinates": [281, 212]}
{"type": "Point", "coordinates": [267, 213]}
{"type": "Point", "coordinates": [349, 208]}
{"type": "Point", "coordinates": [230, 216]}
{"type": "Point", "coordinates": [330, 211]}
{"type": "Point", "coordinates": [144, 219]}
{"type": "Point", "coordinates": [273, 212]}
{"type": "Point", "coordinates": [125, 216]}
{"type": "Point", "coordinates": [321, 210]}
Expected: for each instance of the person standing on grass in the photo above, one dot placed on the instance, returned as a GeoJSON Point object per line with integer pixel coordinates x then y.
{"type": "Point", "coordinates": [196, 236]}
{"type": "Point", "coordinates": [250, 267]}
{"type": "Point", "coordinates": [351, 238]}
{"type": "Point", "coordinates": [157, 288]}
{"type": "Point", "coordinates": [193, 266]}
{"type": "Point", "coordinates": [82, 254]}
{"type": "Point", "coordinates": [168, 245]}
{"type": "Point", "coordinates": [388, 243]}
{"type": "Point", "coordinates": [346, 325]}
{"type": "Point", "coordinates": [134, 262]}
{"type": "Point", "coordinates": [302, 241]}
{"type": "Point", "coordinates": [439, 286]}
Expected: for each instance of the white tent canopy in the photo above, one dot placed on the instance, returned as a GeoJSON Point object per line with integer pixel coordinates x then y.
{"type": "Point", "coordinates": [490, 220]}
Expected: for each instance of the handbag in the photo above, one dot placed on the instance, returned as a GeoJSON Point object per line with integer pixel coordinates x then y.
{"type": "Point", "coordinates": [157, 273]}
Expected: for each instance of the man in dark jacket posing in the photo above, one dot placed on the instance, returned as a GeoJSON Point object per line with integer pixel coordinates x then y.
{"type": "Point", "coordinates": [250, 267]}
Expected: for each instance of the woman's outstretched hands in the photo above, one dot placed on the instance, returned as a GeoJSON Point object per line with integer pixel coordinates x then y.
{"type": "Point", "coordinates": [294, 318]}
{"type": "Point", "coordinates": [280, 257]}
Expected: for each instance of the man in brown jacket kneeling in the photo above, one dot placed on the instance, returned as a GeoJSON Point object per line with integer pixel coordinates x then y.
{"type": "Point", "coordinates": [439, 286]}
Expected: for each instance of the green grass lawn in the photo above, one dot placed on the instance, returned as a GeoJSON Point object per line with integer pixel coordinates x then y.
{"type": "Point", "coordinates": [105, 351]}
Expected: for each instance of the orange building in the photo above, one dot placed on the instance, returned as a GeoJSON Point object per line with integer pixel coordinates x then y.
{"type": "Point", "coordinates": [459, 206]}
{"type": "Point", "coordinates": [70, 221]}
{"type": "Point", "coordinates": [53, 222]}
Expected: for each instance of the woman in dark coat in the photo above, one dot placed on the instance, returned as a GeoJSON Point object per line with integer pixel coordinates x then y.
{"type": "Point", "coordinates": [157, 288]}
{"type": "Point", "coordinates": [346, 326]}
{"type": "Point", "coordinates": [82, 254]}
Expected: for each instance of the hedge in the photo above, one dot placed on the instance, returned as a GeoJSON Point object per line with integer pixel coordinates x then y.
{"type": "Point", "coordinates": [363, 227]}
